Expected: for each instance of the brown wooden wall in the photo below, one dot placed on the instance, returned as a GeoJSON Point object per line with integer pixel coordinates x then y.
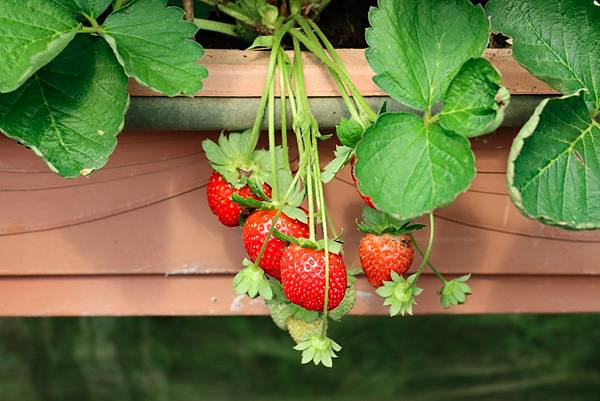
{"type": "Point", "coordinates": [136, 238]}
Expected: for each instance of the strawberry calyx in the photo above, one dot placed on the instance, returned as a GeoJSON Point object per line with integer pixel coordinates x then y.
{"type": "Point", "coordinates": [455, 291]}
{"type": "Point", "coordinates": [400, 293]}
{"type": "Point", "coordinates": [318, 349]}
{"type": "Point", "coordinates": [378, 223]}
{"type": "Point", "coordinates": [252, 281]}
{"type": "Point", "coordinates": [229, 157]}
{"type": "Point", "coordinates": [333, 245]}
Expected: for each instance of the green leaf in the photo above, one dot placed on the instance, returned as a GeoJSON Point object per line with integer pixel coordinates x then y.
{"type": "Point", "coordinates": [261, 43]}
{"type": "Point", "coordinates": [343, 154]}
{"type": "Point", "coordinates": [156, 46]}
{"type": "Point", "coordinates": [475, 101]}
{"type": "Point", "coordinates": [554, 165]}
{"type": "Point", "coordinates": [32, 33]}
{"type": "Point", "coordinates": [92, 8]}
{"type": "Point", "coordinates": [70, 111]}
{"type": "Point", "coordinates": [409, 169]}
{"type": "Point", "coordinates": [349, 132]}
{"type": "Point", "coordinates": [557, 41]}
{"type": "Point", "coordinates": [416, 47]}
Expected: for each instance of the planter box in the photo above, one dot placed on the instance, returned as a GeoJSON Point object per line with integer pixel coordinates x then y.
{"type": "Point", "coordinates": [137, 238]}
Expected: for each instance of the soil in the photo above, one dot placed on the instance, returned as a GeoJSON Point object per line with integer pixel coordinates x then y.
{"type": "Point", "coordinates": [343, 21]}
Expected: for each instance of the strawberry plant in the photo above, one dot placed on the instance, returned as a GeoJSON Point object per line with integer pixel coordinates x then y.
{"type": "Point", "coordinates": [405, 164]}
{"type": "Point", "coordinates": [64, 69]}
{"type": "Point", "coordinates": [554, 165]}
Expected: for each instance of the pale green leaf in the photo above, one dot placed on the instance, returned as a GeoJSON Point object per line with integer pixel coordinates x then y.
{"type": "Point", "coordinates": [409, 169]}
{"type": "Point", "coordinates": [70, 111]}
{"type": "Point", "coordinates": [558, 41]}
{"type": "Point", "coordinates": [475, 101]}
{"type": "Point", "coordinates": [32, 33]}
{"type": "Point", "coordinates": [554, 165]}
{"type": "Point", "coordinates": [156, 46]}
{"type": "Point", "coordinates": [416, 47]}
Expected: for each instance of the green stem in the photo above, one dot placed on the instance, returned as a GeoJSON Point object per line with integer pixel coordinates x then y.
{"type": "Point", "coordinates": [279, 32]}
{"type": "Point", "coordinates": [216, 26]}
{"type": "Point", "coordinates": [431, 266]}
{"type": "Point", "coordinates": [321, 207]}
{"type": "Point", "coordinates": [271, 119]}
{"type": "Point", "coordinates": [283, 106]}
{"type": "Point", "coordinates": [314, 47]}
{"type": "Point", "coordinates": [429, 245]}
{"type": "Point", "coordinates": [236, 14]}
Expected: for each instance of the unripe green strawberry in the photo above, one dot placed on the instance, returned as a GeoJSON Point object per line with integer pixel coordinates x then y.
{"type": "Point", "coordinates": [280, 313]}
{"type": "Point", "coordinates": [300, 330]}
{"type": "Point", "coordinates": [346, 305]}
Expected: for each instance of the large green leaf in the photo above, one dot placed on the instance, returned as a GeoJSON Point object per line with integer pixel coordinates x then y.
{"type": "Point", "coordinates": [70, 111]}
{"type": "Point", "coordinates": [156, 46]}
{"type": "Point", "coordinates": [554, 165]}
{"type": "Point", "coordinates": [32, 33]}
{"type": "Point", "coordinates": [92, 8]}
{"type": "Point", "coordinates": [409, 169]}
{"type": "Point", "coordinates": [557, 40]}
{"type": "Point", "coordinates": [416, 47]}
{"type": "Point", "coordinates": [475, 101]}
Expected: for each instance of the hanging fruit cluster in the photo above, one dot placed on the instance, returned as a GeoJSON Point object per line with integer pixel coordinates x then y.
{"type": "Point", "coordinates": [295, 255]}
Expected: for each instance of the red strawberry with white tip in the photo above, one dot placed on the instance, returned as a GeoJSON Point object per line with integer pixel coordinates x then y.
{"type": "Point", "coordinates": [256, 229]}
{"type": "Point", "coordinates": [303, 277]}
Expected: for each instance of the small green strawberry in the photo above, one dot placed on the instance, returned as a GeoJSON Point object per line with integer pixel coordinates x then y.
{"type": "Point", "coordinates": [300, 330]}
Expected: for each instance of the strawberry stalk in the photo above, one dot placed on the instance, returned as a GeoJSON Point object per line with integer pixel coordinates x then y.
{"type": "Point", "coordinates": [280, 31]}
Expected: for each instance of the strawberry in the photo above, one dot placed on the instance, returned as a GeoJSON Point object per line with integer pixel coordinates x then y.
{"type": "Point", "coordinates": [382, 254]}
{"type": "Point", "coordinates": [219, 192]}
{"type": "Point", "coordinates": [235, 166]}
{"type": "Point", "coordinates": [366, 199]}
{"type": "Point", "coordinates": [256, 228]}
{"type": "Point", "coordinates": [386, 247]}
{"type": "Point", "coordinates": [300, 330]}
{"type": "Point", "coordinates": [303, 277]}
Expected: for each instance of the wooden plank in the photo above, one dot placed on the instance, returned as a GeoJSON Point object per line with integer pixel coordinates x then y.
{"type": "Point", "coordinates": [236, 73]}
{"type": "Point", "coordinates": [213, 295]}
{"type": "Point", "coordinates": [150, 217]}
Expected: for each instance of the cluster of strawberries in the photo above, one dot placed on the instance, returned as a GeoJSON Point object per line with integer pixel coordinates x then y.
{"type": "Point", "coordinates": [301, 270]}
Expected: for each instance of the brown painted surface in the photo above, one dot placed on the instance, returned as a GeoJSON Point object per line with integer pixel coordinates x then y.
{"type": "Point", "coordinates": [241, 74]}
{"type": "Point", "coordinates": [102, 245]}
{"type": "Point", "coordinates": [212, 295]}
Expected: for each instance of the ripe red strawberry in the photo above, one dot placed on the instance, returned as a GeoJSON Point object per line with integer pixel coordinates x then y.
{"type": "Point", "coordinates": [219, 192]}
{"type": "Point", "coordinates": [380, 254]}
{"type": "Point", "coordinates": [366, 199]}
{"type": "Point", "coordinates": [303, 277]}
{"type": "Point", "coordinates": [256, 228]}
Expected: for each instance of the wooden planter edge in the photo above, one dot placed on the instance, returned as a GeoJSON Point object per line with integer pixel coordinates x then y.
{"type": "Point", "coordinates": [239, 73]}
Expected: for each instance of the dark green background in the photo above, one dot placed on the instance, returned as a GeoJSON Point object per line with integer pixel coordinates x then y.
{"type": "Point", "coordinates": [419, 358]}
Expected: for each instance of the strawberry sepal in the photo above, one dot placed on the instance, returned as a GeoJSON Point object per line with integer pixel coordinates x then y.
{"type": "Point", "coordinates": [399, 294]}
{"type": "Point", "coordinates": [455, 291]}
{"type": "Point", "coordinates": [378, 223]}
{"type": "Point", "coordinates": [319, 350]}
{"type": "Point", "coordinates": [252, 281]}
